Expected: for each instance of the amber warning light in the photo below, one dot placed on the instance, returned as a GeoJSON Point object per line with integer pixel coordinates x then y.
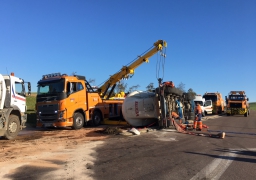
{"type": "Point", "coordinates": [51, 75]}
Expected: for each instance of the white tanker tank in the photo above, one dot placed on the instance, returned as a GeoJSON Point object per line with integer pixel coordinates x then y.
{"type": "Point", "coordinates": [140, 108]}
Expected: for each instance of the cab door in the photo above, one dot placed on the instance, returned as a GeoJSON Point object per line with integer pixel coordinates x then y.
{"type": "Point", "coordinates": [81, 92]}
{"type": "Point", "coordinates": [18, 98]}
{"type": "Point", "coordinates": [72, 98]}
{"type": "Point", "coordinates": [208, 106]}
{"type": "Point", "coordinates": [76, 96]}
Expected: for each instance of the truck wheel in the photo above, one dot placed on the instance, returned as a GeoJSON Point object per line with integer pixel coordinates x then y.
{"type": "Point", "coordinates": [96, 118]}
{"type": "Point", "coordinates": [78, 121]}
{"type": "Point", "coordinates": [246, 114]}
{"type": "Point", "coordinates": [13, 127]}
{"type": "Point", "coordinates": [228, 114]}
{"type": "Point", "coordinates": [191, 116]}
{"type": "Point", "coordinates": [173, 90]}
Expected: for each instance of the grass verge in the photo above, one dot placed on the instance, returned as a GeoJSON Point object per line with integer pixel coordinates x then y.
{"type": "Point", "coordinates": [31, 111]}
{"type": "Point", "coordinates": [253, 106]}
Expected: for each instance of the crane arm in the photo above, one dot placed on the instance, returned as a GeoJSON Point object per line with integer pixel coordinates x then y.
{"type": "Point", "coordinates": [128, 71]}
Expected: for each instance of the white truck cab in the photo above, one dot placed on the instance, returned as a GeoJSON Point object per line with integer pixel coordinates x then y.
{"type": "Point", "coordinates": [206, 105]}
{"type": "Point", "coordinates": [12, 105]}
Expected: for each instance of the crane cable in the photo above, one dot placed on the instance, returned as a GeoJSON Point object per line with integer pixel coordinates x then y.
{"type": "Point", "coordinates": [160, 62]}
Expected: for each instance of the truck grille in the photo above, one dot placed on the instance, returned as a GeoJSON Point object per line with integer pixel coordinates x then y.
{"type": "Point", "coordinates": [48, 112]}
{"type": "Point", "coordinates": [236, 105]}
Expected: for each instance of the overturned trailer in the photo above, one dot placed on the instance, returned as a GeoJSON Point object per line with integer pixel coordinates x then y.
{"type": "Point", "coordinates": [142, 108]}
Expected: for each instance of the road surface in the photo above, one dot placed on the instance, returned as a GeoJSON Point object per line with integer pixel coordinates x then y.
{"type": "Point", "coordinates": [92, 155]}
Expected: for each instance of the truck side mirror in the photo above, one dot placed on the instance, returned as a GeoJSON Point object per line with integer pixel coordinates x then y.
{"type": "Point", "coordinates": [29, 88]}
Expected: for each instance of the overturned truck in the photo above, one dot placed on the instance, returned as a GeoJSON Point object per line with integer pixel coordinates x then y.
{"type": "Point", "coordinates": [142, 108]}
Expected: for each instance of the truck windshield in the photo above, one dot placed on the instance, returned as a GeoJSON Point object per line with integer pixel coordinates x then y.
{"type": "Point", "coordinates": [210, 97]}
{"type": "Point", "coordinates": [236, 97]}
{"type": "Point", "coordinates": [200, 102]}
{"type": "Point", "coordinates": [50, 87]}
{"type": "Point", "coordinates": [208, 103]}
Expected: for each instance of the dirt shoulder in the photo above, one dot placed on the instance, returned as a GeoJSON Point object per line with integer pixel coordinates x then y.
{"type": "Point", "coordinates": [35, 153]}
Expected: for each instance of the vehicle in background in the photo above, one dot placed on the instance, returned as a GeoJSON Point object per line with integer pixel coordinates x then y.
{"type": "Point", "coordinates": [237, 103]}
{"type": "Point", "coordinates": [205, 109]}
{"type": "Point", "coordinates": [12, 105]}
{"type": "Point", "coordinates": [214, 102]}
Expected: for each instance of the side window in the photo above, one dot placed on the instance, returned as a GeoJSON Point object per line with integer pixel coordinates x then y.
{"type": "Point", "coordinates": [79, 86]}
{"type": "Point", "coordinates": [71, 87]}
{"type": "Point", "coordinates": [207, 103]}
{"type": "Point", "coordinates": [19, 89]}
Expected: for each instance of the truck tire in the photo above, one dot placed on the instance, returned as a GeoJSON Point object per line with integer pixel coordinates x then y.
{"type": "Point", "coordinates": [173, 90]}
{"type": "Point", "coordinates": [191, 114]}
{"type": "Point", "coordinates": [228, 114]}
{"type": "Point", "coordinates": [246, 114]}
{"type": "Point", "coordinates": [13, 127]}
{"type": "Point", "coordinates": [78, 121]}
{"type": "Point", "coordinates": [96, 118]}
{"type": "Point", "coordinates": [191, 117]}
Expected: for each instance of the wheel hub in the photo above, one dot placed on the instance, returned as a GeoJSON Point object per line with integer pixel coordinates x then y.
{"type": "Point", "coordinates": [13, 127]}
{"type": "Point", "coordinates": [97, 119]}
{"type": "Point", "coordinates": [79, 121]}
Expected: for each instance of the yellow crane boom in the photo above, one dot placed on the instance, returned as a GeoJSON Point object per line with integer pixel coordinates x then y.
{"type": "Point", "coordinates": [128, 71]}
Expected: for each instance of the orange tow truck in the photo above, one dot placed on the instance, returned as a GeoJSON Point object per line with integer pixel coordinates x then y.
{"type": "Point", "coordinates": [70, 101]}
{"type": "Point", "coordinates": [237, 103]}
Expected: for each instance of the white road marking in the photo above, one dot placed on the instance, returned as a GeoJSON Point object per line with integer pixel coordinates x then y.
{"type": "Point", "coordinates": [218, 166]}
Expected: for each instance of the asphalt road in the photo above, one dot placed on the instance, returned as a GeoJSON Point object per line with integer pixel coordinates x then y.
{"type": "Point", "coordinates": [172, 155]}
{"type": "Point", "coordinates": [161, 155]}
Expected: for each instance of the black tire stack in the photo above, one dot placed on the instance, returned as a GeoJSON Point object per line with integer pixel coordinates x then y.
{"type": "Point", "coordinates": [171, 91]}
{"type": "Point", "coordinates": [188, 113]}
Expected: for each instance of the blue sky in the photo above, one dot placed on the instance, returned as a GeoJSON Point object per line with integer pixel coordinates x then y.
{"type": "Point", "coordinates": [211, 43]}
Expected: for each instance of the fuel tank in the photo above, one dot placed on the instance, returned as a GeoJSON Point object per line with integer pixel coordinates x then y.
{"type": "Point", "coordinates": [140, 108]}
